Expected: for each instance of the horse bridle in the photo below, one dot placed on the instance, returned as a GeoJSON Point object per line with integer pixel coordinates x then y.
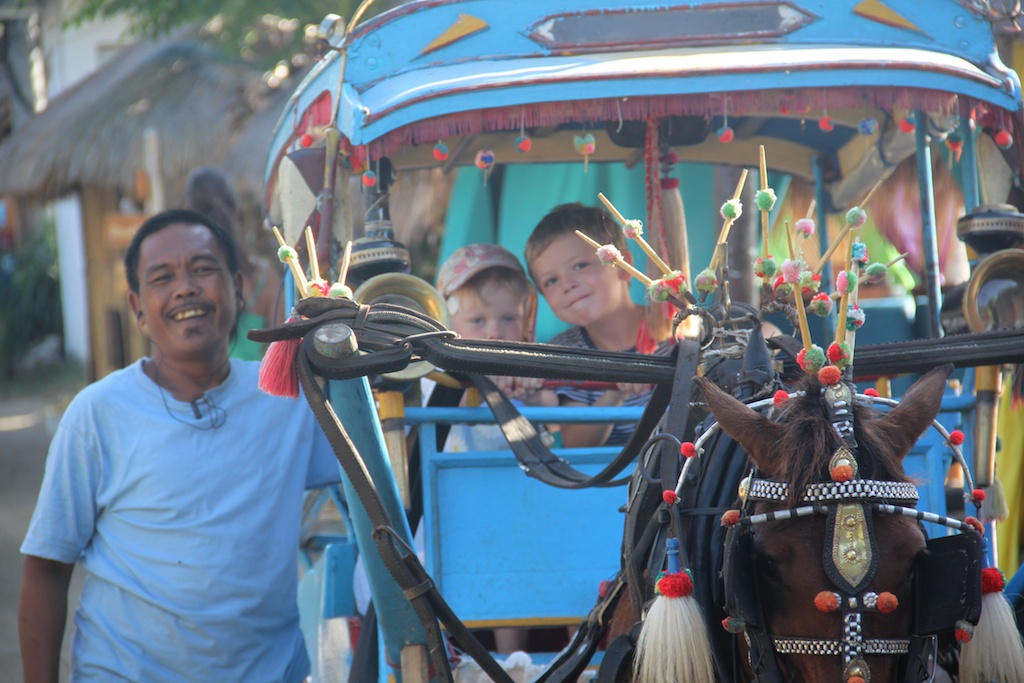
{"type": "Point", "coordinates": [850, 560]}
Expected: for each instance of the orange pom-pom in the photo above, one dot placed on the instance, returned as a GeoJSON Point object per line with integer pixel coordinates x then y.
{"type": "Point", "coordinates": [687, 449]}
{"type": "Point", "coordinates": [278, 376]}
{"type": "Point", "coordinates": [887, 602]}
{"type": "Point", "coordinates": [841, 473]}
{"type": "Point", "coordinates": [780, 398]}
{"type": "Point", "coordinates": [670, 497]}
{"type": "Point", "coordinates": [678, 585]}
{"type": "Point", "coordinates": [855, 679]}
{"type": "Point", "coordinates": [992, 580]}
{"type": "Point", "coordinates": [872, 392]}
{"type": "Point", "coordinates": [826, 601]}
{"type": "Point", "coordinates": [975, 524]}
{"type": "Point", "coordinates": [730, 517]}
{"type": "Point", "coordinates": [829, 374]}
{"type": "Point", "coordinates": [956, 437]}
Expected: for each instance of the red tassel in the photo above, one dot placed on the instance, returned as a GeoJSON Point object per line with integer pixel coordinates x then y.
{"type": "Point", "coordinates": [278, 376]}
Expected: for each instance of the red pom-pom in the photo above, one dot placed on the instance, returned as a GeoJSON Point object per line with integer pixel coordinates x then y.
{"type": "Point", "coordinates": [964, 631]}
{"type": "Point", "coordinates": [826, 601]}
{"type": "Point", "coordinates": [978, 496]}
{"type": "Point", "coordinates": [855, 679]}
{"type": "Point", "coordinates": [306, 140]}
{"type": "Point", "coordinates": [825, 124]}
{"type": "Point", "coordinates": [603, 588]}
{"type": "Point", "coordinates": [277, 369]}
{"type": "Point", "coordinates": [829, 374]}
{"type": "Point", "coordinates": [956, 437]}
{"type": "Point", "coordinates": [730, 517]}
{"type": "Point", "coordinates": [992, 580]}
{"type": "Point", "coordinates": [780, 398]}
{"type": "Point", "coordinates": [975, 524]}
{"type": "Point", "coordinates": [1003, 138]}
{"type": "Point", "coordinates": [670, 497]}
{"type": "Point", "coordinates": [872, 392]}
{"type": "Point", "coordinates": [887, 602]}
{"type": "Point", "coordinates": [841, 473]}
{"type": "Point", "coordinates": [687, 449]}
{"type": "Point", "coordinates": [678, 585]}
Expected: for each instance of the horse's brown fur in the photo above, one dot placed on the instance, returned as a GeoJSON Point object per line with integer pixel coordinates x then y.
{"type": "Point", "coordinates": [796, 450]}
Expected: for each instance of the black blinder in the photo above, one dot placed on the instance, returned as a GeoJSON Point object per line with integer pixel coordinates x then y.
{"type": "Point", "coordinates": [742, 597]}
{"type": "Point", "coordinates": [947, 583]}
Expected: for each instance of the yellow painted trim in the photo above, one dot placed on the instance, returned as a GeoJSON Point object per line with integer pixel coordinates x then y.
{"type": "Point", "coordinates": [465, 25]}
{"type": "Point", "coordinates": [876, 10]}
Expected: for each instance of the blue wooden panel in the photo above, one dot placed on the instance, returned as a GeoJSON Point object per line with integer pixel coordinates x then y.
{"type": "Point", "coordinates": [503, 547]}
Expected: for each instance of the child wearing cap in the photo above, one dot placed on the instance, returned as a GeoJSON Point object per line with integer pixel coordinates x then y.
{"type": "Point", "coordinates": [488, 296]}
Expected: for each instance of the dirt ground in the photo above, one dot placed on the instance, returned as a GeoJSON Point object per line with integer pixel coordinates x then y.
{"type": "Point", "coordinates": [28, 415]}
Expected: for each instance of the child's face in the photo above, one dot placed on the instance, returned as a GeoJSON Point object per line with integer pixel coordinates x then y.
{"type": "Point", "coordinates": [494, 313]}
{"type": "Point", "coordinates": [578, 287]}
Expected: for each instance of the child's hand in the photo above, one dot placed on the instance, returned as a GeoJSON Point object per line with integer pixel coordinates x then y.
{"type": "Point", "coordinates": [631, 389]}
{"type": "Point", "coordinates": [526, 389]}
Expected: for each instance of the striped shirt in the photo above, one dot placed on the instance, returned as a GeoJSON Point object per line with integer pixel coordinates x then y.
{"type": "Point", "coordinates": [577, 337]}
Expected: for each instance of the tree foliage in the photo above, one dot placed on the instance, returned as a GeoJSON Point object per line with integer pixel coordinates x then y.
{"type": "Point", "coordinates": [260, 31]}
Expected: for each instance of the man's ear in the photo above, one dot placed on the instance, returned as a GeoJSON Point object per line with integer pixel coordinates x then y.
{"type": "Point", "coordinates": [136, 306]}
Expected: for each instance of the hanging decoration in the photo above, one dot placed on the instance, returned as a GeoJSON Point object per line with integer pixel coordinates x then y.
{"type": "Point", "coordinates": [440, 151]}
{"type": "Point", "coordinates": [523, 143]}
{"type": "Point", "coordinates": [485, 162]}
{"type": "Point", "coordinates": [585, 145]}
{"type": "Point", "coordinates": [908, 123]}
{"type": "Point", "coordinates": [955, 143]}
{"type": "Point", "coordinates": [725, 133]}
{"type": "Point", "coordinates": [1003, 138]}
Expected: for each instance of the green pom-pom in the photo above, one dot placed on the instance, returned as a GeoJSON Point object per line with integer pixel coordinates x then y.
{"type": "Point", "coordinates": [812, 359]}
{"type": "Point", "coordinates": [658, 291]}
{"type": "Point", "coordinates": [286, 253]}
{"type": "Point", "coordinates": [340, 291]}
{"type": "Point", "coordinates": [856, 217]}
{"type": "Point", "coordinates": [732, 209]}
{"type": "Point", "coordinates": [765, 199]}
{"type": "Point", "coordinates": [876, 272]}
{"type": "Point", "coordinates": [706, 281]}
{"type": "Point", "coordinates": [766, 267]}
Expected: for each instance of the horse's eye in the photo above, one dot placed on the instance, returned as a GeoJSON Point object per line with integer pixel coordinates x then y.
{"type": "Point", "coordinates": [766, 567]}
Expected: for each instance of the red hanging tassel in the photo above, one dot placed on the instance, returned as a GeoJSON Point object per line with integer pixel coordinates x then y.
{"type": "Point", "coordinates": [278, 376]}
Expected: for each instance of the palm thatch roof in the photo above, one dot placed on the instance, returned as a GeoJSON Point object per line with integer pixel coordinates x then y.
{"type": "Point", "coordinates": [92, 135]}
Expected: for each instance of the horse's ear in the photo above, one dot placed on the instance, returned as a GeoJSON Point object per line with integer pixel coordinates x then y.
{"type": "Point", "coordinates": [755, 432]}
{"type": "Point", "coordinates": [904, 424]}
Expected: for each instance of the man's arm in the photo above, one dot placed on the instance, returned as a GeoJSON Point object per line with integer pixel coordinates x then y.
{"type": "Point", "coordinates": [42, 614]}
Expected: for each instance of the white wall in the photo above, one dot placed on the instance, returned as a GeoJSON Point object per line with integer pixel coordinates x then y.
{"type": "Point", "coordinates": [71, 53]}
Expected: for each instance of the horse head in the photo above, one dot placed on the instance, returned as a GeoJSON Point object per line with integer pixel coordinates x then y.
{"type": "Point", "coordinates": [819, 580]}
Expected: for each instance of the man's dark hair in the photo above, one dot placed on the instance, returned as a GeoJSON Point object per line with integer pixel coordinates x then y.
{"type": "Point", "coordinates": [165, 219]}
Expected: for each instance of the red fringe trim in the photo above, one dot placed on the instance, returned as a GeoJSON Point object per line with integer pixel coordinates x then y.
{"type": "Point", "coordinates": [592, 112]}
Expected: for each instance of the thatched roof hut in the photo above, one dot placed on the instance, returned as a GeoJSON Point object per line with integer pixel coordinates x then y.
{"type": "Point", "coordinates": [92, 135]}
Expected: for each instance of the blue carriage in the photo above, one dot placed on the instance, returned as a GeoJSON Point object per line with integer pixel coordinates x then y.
{"type": "Point", "coordinates": [657, 106]}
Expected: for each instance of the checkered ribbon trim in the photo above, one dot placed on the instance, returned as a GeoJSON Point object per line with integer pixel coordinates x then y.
{"type": "Point", "coordinates": [833, 491]}
{"type": "Point", "coordinates": [814, 646]}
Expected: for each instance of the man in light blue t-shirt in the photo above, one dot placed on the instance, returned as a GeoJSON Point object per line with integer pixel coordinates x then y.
{"type": "Point", "coordinates": [178, 486]}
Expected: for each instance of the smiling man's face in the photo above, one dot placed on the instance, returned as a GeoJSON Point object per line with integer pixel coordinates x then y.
{"type": "Point", "coordinates": [188, 300]}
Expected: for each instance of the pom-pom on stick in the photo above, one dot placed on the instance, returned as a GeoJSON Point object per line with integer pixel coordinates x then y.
{"type": "Point", "coordinates": [852, 216]}
{"type": "Point", "coordinates": [629, 227]}
{"type": "Point", "coordinates": [314, 263]}
{"type": "Point", "coordinates": [288, 256]}
{"type": "Point", "coordinates": [619, 261]}
{"type": "Point", "coordinates": [764, 212]}
{"type": "Point", "coordinates": [731, 210]}
{"type": "Point", "coordinates": [798, 299]}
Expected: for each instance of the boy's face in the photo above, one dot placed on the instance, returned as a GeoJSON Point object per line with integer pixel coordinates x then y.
{"type": "Point", "coordinates": [578, 287]}
{"type": "Point", "coordinates": [187, 300]}
{"type": "Point", "coordinates": [494, 313]}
